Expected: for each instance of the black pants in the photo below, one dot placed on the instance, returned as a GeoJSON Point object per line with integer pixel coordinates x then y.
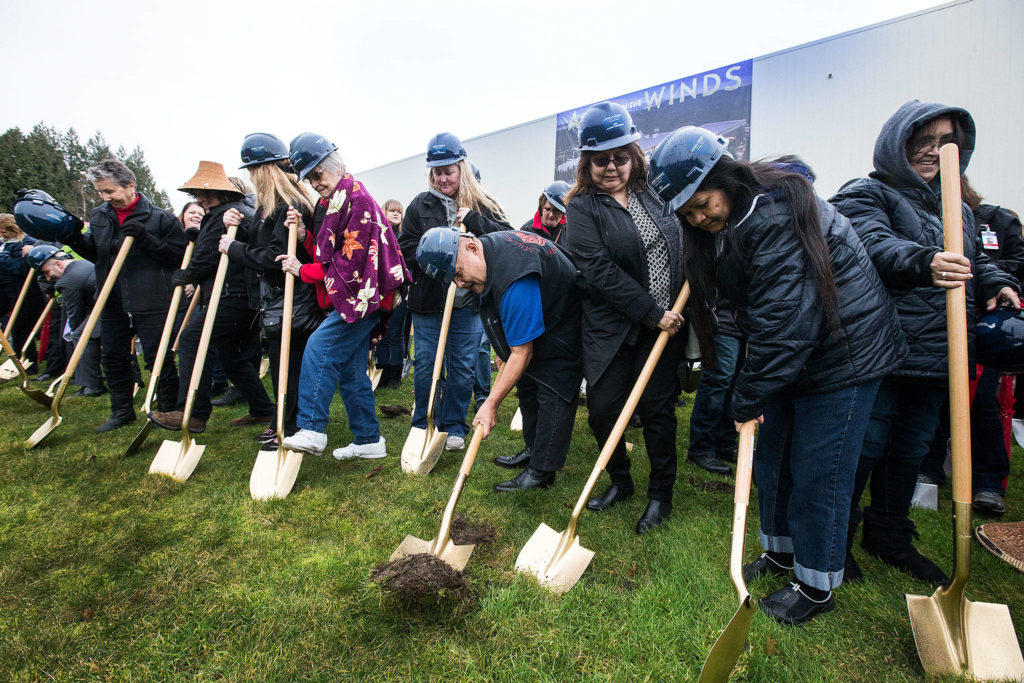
{"type": "Point", "coordinates": [548, 420]}
{"type": "Point", "coordinates": [31, 309]}
{"type": "Point", "coordinates": [606, 398]}
{"type": "Point", "coordinates": [234, 329]}
{"type": "Point", "coordinates": [117, 329]}
{"type": "Point", "coordinates": [58, 351]}
{"type": "Point", "coordinates": [291, 400]}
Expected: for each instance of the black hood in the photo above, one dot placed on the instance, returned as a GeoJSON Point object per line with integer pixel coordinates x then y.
{"type": "Point", "coordinates": [890, 157]}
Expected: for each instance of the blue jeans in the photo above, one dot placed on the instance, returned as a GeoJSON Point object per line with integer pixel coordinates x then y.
{"type": "Point", "coordinates": [335, 357]}
{"type": "Point", "coordinates": [711, 428]}
{"type": "Point", "coordinates": [391, 349]}
{"type": "Point", "coordinates": [482, 374]}
{"type": "Point", "coordinates": [805, 463]}
{"type": "Point", "coordinates": [455, 387]}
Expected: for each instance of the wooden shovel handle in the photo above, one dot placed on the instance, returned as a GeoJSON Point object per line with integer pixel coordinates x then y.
{"type": "Point", "coordinates": [286, 333]}
{"type": "Point", "coordinates": [165, 335]}
{"type": "Point", "coordinates": [956, 327]}
{"type": "Point", "coordinates": [442, 343]}
{"type": "Point", "coordinates": [189, 312]}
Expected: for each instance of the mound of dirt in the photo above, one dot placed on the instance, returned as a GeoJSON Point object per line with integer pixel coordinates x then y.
{"type": "Point", "coordinates": [414, 577]}
{"type": "Point", "coordinates": [713, 486]}
{"type": "Point", "coordinates": [465, 532]}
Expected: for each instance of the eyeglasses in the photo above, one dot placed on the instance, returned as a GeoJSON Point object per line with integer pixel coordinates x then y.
{"type": "Point", "coordinates": [927, 143]}
{"type": "Point", "coordinates": [603, 160]}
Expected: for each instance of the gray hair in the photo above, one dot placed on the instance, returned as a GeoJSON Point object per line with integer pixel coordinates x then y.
{"type": "Point", "coordinates": [111, 169]}
{"type": "Point", "coordinates": [332, 163]}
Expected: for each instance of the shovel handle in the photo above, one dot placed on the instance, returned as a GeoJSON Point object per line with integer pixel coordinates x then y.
{"type": "Point", "coordinates": [165, 335]}
{"type": "Point", "coordinates": [29, 276]}
{"type": "Point", "coordinates": [442, 343]}
{"type": "Point", "coordinates": [741, 498]}
{"type": "Point", "coordinates": [286, 338]}
{"type": "Point", "coordinates": [188, 317]}
{"type": "Point", "coordinates": [956, 327]}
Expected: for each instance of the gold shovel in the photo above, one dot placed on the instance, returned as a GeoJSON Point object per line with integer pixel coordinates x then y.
{"type": "Point", "coordinates": [76, 356]}
{"type": "Point", "coordinates": [423, 446]}
{"type": "Point", "coordinates": [8, 370]}
{"type": "Point", "coordinates": [161, 353]}
{"type": "Point", "coordinates": [955, 636]}
{"type": "Point", "coordinates": [24, 348]}
{"type": "Point", "coordinates": [275, 472]}
{"type": "Point", "coordinates": [34, 394]}
{"type": "Point", "coordinates": [373, 372]}
{"type": "Point", "coordinates": [726, 650]}
{"type": "Point", "coordinates": [558, 560]}
{"type": "Point", "coordinates": [179, 459]}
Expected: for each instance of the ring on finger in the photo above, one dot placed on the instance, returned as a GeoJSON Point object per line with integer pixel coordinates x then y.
{"type": "Point", "coordinates": [942, 275]}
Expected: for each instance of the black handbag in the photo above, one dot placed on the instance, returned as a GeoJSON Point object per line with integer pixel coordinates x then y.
{"type": "Point", "coordinates": [306, 313]}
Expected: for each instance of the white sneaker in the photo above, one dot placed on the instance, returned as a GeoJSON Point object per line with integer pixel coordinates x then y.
{"type": "Point", "coordinates": [454, 443]}
{"type": "Point", "coordinates": [307, 441]}
{"type": "Point", "coordinates": [368, 451]}
{"type": "Point", "coordinates": [1018, 431]}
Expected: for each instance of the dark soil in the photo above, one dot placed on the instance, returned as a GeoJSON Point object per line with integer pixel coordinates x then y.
{"type": "Point", "coordinates": [713, 486]}
{"type": "Point", "coordinates": [464, 532]}
{"type": "Point", "coordinates": [395, 410]}
{"type": "Point", "coordinates": [419, 576]}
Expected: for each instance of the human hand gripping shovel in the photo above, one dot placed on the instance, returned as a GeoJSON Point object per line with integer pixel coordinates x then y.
{"type": "Point", "coordinates": [558, 560]}
{"type": "Point", "coordinates": [76, 356]}
{"type": "Point", "coordinates": [726, 650]}
{"type": "Point", "coordinates": [179, 460]}
{"type": "Point", "coordinates": [161, 355]}
{"type": "Point", "coordinates": [953, 634]}
{"type": "Point", "coordinates": [275, 472]}
{"type": "Point", "coordinates": [9, 370]}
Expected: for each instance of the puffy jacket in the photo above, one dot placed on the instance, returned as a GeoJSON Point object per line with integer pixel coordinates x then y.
{"type": "Point", "coordinates": [1008, 253]}
{"type": "Point", "coordinates": [202, 269]}
{"type": "Point", "coordinates": [431, 210]}
{"type": "Point", "coordinates": [791, 348]}
{"type": "Point", "coordinates": [607, 248]}
{"type": "Point", "coordinates": [898, 217]}
{"type": "Point", "coordinates": [144, 284]}
{"type": "Point", "coordinates": [13, 265]}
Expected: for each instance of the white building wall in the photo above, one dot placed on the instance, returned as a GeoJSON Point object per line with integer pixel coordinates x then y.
{"type": "Point", "coordinates": [966, 53]}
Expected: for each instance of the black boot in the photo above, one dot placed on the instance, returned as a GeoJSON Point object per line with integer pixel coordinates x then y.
{"type": "Point", "coordinates": [514, 462]}
{"type": "Point", "coordinates": [526, 480]}
{"type": "Point", "coordinates": [122, 410]}
{"type": "Point", "coordinates": [890, 541]}
{"type": "Point", "coordinates": [392, 376]}
{"type": "Point", "coordinates": [657, 512]}
{"type": "Point", "coordinates": [614, 495]}
{"type": "Point", "coordinates": [167, 394]}
{"type": "Point", "coordinates": [851, 570]}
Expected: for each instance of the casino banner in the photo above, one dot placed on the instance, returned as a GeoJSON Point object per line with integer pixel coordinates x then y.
{"type": "Point", "coordinates": [718, 100]}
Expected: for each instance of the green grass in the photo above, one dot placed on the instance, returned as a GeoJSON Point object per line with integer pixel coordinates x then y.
{"type": "Point", "coordinates": [107, 572]}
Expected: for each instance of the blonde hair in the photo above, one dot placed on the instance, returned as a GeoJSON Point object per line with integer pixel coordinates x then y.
{"type": "Point", "coordinates": [275, 187]}
{"type": "Point", "coordinates": [470, 193]}
{"type": "Point", "coordinates": [9, 226]}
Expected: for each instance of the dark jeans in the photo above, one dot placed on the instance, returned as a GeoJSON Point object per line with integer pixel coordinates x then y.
{"type": "Point", "coordinates": [900, 431]}
{"type": "Point", "coordinates": [117, 329]}
{"type": "Point", "coordinates": [606, 398]}
{"type": "Point", "coordinates": [234, 329]}
{"type": "Point", "coordinates": [548, 420]}
{"type": "Point", "coordinates": [455, 386]}
{"type": "Point", "coordinates": [391, 349]}
{"type": "Point", "coordinates": [805, 463]}
{"type": "Point", "coordinates": [711, 428]}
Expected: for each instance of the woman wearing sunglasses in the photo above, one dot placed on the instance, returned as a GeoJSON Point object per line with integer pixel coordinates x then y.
{"type": "Point", "coordinates": [631, 260]}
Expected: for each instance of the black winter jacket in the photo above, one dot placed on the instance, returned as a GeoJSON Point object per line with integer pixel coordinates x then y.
{"type": "Point", "coordinates": [898, 217]}
{"type": "Point", "coordinates": [607, 248]}
{"type": "Point", "coordinates": [202, 269]}
{"type": "Point", "coordinates": [428, 211]}
{"type": "Point", "coordinates": [144, 285]}
{"type": "Point", "coordinates": [775, 296]}
{"type": "Point", "coordinates": [1009, 252]}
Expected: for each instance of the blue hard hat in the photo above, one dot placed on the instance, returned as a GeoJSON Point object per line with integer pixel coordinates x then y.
{"type": "Point", "coordinates": [681, 162]}
{"type": "Point", "coordinates": [42, 253]}
{"type": "Point", "coordinates": [556, 193]}
{"type": "Point", "coordinates": [606, 125]}
{"type": "Point", "coordinates": [444, 149]}
{"type": "Point", "coordinates": [307, 150]}
{"type": "Point", "coordinates": [42, 216]}
{"type": "Point", "coordinates": [999, 338]}
{"type": "Point", "coordinates": [262, 148]}
{"type": "Point", "coordinates": [436, 253]}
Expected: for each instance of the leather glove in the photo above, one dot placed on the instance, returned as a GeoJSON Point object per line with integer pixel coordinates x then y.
{"type": "Point", "coordinates": [191, 234]}
{"type": "Point", "coordinates": [180, 278]}
{"type": "Point", "coordinates": [136, 230]}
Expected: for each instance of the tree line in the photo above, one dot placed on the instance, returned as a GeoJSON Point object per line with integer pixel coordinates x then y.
{"type": "Point", "coordinates": [55, 161]}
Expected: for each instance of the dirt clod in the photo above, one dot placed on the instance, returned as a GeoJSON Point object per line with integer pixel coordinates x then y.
{"type": "Point", "coordinates": [713, 486]}
{"type": "Point", "coordinates": [414, 577]}
{"type": "Point", "coordinates": [465, 532]}
{"type": "Point", "coordinates": [395, 410]}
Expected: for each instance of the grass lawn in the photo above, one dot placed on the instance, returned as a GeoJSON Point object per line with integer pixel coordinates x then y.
{"type": "Point", "coordinates": [107, 572]}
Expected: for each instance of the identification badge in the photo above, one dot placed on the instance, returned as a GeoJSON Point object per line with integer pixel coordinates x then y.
{"type": "Point", "coordinates": [989, 239]}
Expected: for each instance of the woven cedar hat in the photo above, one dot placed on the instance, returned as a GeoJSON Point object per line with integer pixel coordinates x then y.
{"type": "Point", "coordinates": [210, 176]}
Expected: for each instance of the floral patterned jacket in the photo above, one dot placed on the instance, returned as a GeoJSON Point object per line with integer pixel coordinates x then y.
{"type": "Point", "coordinates": [362, 265]}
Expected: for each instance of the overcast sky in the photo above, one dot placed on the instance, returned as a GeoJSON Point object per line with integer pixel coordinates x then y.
{"type": "Point", "coordinates": [187, 80]}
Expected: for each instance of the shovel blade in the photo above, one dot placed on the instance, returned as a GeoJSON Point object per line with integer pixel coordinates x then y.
{"type": "Point", "coordinates": [170, 460]}
{"type": "Point", "coordinates": [517, 421]}
{"type": "Point", "coordinates": [422, 450]}
{"type": "Point", "coordinates": [727, 649]}
{"type": "Point", "coordinates": [44, 430]}
{"type": "Point", "coordinates": [375, 374]}
{"type": "Point", "coordinates": [986, 648]}
{"type": "Point", "coordinates": [8, 370]}
{"type": "Point", "coordinates": [410, 546]}
{"type": "Point", "coordinates": [538, 557]}
{"type": "Point", "coordinates": [139, 439]}
{"type": "Point", "coordinates": [38, 396]}
{"type": "Point", "coordinates": [455, 556]}
{"type": "Point", "coordinates": [274, 474]}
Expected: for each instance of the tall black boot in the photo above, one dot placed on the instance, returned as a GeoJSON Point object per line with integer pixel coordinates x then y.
{"type": "Point", "coordinates": [122, 410]}
{"type": "Point", "coordinates": [167, 393]}
{"type": "Point", "coordinates": [851, 570]}
{"type": "Point", "coordinates": [890, 540]}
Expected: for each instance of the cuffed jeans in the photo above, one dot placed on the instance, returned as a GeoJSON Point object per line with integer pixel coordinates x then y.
{"type": "Point", "coordinates": [455, 387]}
{"type": "Point", "coordinates": [805, 464]}
{"type": "Point", "coordinates": [711, 428]}
{"type": "Point", "coordinates": [335, 358]}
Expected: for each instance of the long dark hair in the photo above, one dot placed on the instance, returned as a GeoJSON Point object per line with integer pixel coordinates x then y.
{"type": "Point", "coordinates": [741, 182]}
{"type": "Point", "coordinates": [637, 173]}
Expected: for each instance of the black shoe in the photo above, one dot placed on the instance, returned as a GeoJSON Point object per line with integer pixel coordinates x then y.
{"type": "Point", "coordinates": [514, 462]}
{"type": "Point", "coordinates": [890, 541]}
{"type": "Point", "coordinates": [989, 502]}
{"type": "Point", "coordinates": [657, 512]}
{"type": "Point", "coordinates": [680, 401]}
{"type": "Point", "coordinates": [791, 605]}
{"type": "Point", "coordinates": [45, 377]}
{"type": "Point", "coordinates": [477, 402]}
{"type": "Point", "coordinates": [763, 566]}
{"type": "Point", "coordinates": [115, 422]}
{"type": "Point", "coordinates": [710, 463]}
{"type": "Point", "coordinates": [89, 392]}
{"type": "Point", "coordinates": [728, 456]}
{"type": "Point", "coordinates": [217, 389]}
{"type": "Point", "coordinates": [232, 395]}
{"type": "Point", "coordinates": [635, 421]}
{"type": "Point", "coordinates": [526, 480]}
{"type": "Point", "coordinates": [612, 496]}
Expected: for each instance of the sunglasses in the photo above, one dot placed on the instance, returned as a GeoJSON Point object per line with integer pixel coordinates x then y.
{"type": "Point", "coordinates": [602, 160]}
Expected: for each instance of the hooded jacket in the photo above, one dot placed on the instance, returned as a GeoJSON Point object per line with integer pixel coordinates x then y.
{"type": "Point", "coordinates": [898, 217]}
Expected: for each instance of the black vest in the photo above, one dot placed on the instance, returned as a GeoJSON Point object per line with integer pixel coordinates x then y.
{"type": "Point", "coordinates": [512, 255]}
